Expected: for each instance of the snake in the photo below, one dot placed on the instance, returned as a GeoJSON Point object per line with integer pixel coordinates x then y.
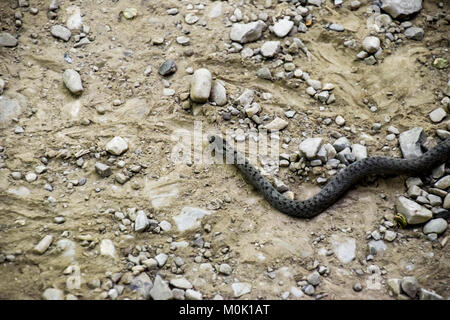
{"type": "Point", "coordinates": [339, 183]}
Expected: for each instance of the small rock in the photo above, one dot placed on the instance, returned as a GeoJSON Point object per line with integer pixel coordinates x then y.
{"type": "Point", "coordinates": [7, 40]}
{"type": "Point", "coordinates": [167, 68]}
{"type": "Point", "coordinates": [141, 223]}
{"type": "Point", "coordinates": [241, 288]}
{"type": "Point", "coordinates": [160, 290]}
{"type": "Point", "coordinates": [437, 226]}
{"type": "Point", "coordinates": [61, 32]}
{"type": "Point", "coordinates": [282, 27]}
{"type": "Point", "coordinates": [72, 80]}
{"type": "Point", "coordinates": [43, 245]}
{"type": "Point", "coordinates": [117, 146]}
{"type": "Point", "coordinates": [244, 33]}
{"type": "Point", "coordinates": [414, 33]}
{"type": "Point", "coordinates": [371, 44]}
{"type": "Point", "coordinates": [193, 295]}
{"type": "Point", "coordinates": [410, 286]}
{"type": "Point", "coordinates": [103, 170]}
{"type": "Point", "coordinates": [200, 85]}
{"type": "Point", "coordinates": [276, 124]}
{"type": "Point", "coordinates": [53, 294]}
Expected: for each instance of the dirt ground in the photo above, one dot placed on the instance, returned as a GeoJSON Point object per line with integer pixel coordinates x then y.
{"type": "Point", "coordinates": [403, 85]}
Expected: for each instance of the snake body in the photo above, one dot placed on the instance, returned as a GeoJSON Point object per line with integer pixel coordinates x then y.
{"type": "Point", "coordinates": [339, 183]}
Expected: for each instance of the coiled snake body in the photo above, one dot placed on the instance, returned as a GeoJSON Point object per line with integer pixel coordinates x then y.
{"type": "Point", "coordinates": [340, 183]}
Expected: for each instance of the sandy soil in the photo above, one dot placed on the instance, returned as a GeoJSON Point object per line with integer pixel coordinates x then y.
{"type": "Point", "coordinates": [404, 87]}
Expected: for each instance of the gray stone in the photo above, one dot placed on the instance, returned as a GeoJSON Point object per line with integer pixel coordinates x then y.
{"type": "Point", "coordinates": [371, 44]}
{"type": "Point", "coordinates": [437, 115]}
{"type": "Point", "coordinates": [103, 170]}
{"type": "Point", "coordinates": [117, 146]}
{"type": "Point", "coordinates": [314, 278]}
{"type": "Point", "coordinates": [218, 93]}
{"type": "Point", "coordinates": [264, 73]}
{"type": "Point", "coordinates": [282, 27]}
{"type": "Point", "coordinates": [225, 269]}
{"type": "Point", "coordinates": [395, 285]}
{"type": "Point", "coordinates": [201, 85]}
{"type": "Point", "coordinates": [341, 143]}
{"type": "Point", "coordinates": [270, 48]}
{"type": "Point", "coordinates": [107, 248]}
{"type": "Point", "coordinates": [401, 9]}
{"type": "Point", "coordinates": [390, 235]}
{"type": "Point", "coordinates": [246, 98]}
{"type": "Point", "coordinates": [7, 40]}
{"type": "Point", "coordinates": [193, 295]}
{"type": "Point", "coordinates": [244, 33]}
{"type": "Point", "coordinates": [43, 245]}
{"type": "Point", "coordinates": [410, 286]}
{"type": "Point", "coordinates": [344, 248]}
{"type": "Point", "coordinates": [310, 147]}
{"type": "Point", "coordinates": [178, 294]}
{"type": "Point", "coordinates": [443, 183]}
{"type": "Point", "coordinates": [309, 290]}
{"type": "Point", "coordinates": [376, 246]}
{"type": "Point", "coordinates": [189, 218]}
{"type": "Point", "coordinates": [414, 33]}
{"type": "Point", "coordinates": [437, 226]}
{"type": "Point", "coordinates": [141, 223]}
{"type": "Point", "coordinates": [410, 142]}
{"type": "Point", "coordinates": [142, 285]}
{"type": "Point", "coordinates": [160, 290]}
{"type": "Point", "coordinates": [61, 32]}
{"type": "Point", "coordinates": [446, 204]}
{"type": "Point", "coordinates": [181, 283]}
{"type": "Point", "coordinates": [167, 68]}
{"type": "Point", "coordinates": [336, 27]}
{"type": "Point", "coordinates": [413, 212]}
{"type": "Point", "coordinates": [53, 294]}
{"type": "Point", "coordinates": [72, 80]}
{"type": "Point", "coordinates": [241, 288]}
{"type": "Point", "coordinates": [276, 124]}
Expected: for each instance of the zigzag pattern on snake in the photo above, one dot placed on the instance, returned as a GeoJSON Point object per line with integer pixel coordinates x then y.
{"type": "Point", "coordinates": [339, 183]}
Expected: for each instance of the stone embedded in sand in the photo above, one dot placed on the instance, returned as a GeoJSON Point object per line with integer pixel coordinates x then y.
{"type": "Point", "coordinates": [276, 124]}
{"type": "Point", "coordinates": [410, 142]}
{"type": "Point", "coordinates": [437, 226]}
{"type": "Point", "coordinates": [437, 115]}
{"type": "Point", "coordinates": [53, 294]}
{"type": "Point", "coordinates": [270, 48]}
{"type": "Point", "coordinates": [7, 40]}
{"type": "Point", "coordinates": [343, 247]}
{"type": "Point", "coordinates": [413, 212]}
{"type": "Point", "coordinates": [401, 9]}
{"type": "Point", "coordinates": [410, 286]}
{"type": "Point", "coordinates": [43, 245]}
{"type": "Point", "coordinates": [218, 93]}
{"type": "Point", "coordinates": [371, 44]}
{"type": "Point", "coordinates": [61, 32]}
{"type": "Point", "coordinates": [107, 248]}
{"type": "Point", "coordinates": [72, 80]}
{"type": "Point", "coordinates": [241, 288]}
{"type": "Point", "coordinates": [117, 146]}
{"type": "Point", "coordinates": [201, 85]}
{"type": "Point", "coordinates": [167, 68]}
{"type": "Point", "coordinates": [246, 98]}
{"type": "Point", "coordinates": [310, 147]}
{"type": "Point", "coordinates": [282, 27]}
{"type": "Point", "coordinates": [188, 219]}
{"type": "Point", "coordinates": [9, 109]}
{"type": "Point", "coordinates": [244, 33]}
{"type": "Point", "coordinates": [141, 223]}
{"type": "Point", "coordinates": [160, 290]}
{"type": "Point", "coordinates": [414, 33]}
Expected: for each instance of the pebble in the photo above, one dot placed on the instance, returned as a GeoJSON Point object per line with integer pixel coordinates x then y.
{"type": "Point", "coordinates": [413, 212]}
{"type": "Point", "coordinates": [181, 283]}
{"type": "Point", "coordinates": [410, 286]}
{"type": "Point", "coordinates": [30, 177]}
{"type": "Point", "coordinates": [371, 44]}
{"type": "Point", "coordinates": [314, 278]}
{"type": "Point", "coordinates": [141, 223]}
{"type": "Point", "coordinates": [189, 218]}
{"type": "Point", "coordinates": [410, 142]}
{"type": "Point", "coordinates": [72, 80]}
{"type": "Point", "coordinates": [61, 32]}
{"type": "Point", "coordinates": [309, 290]}
{"type": "Point", "coordinates": [443, 183]}
{"type": "Point", "coordinates": [437, 226]}
{"type": "Point", "coordinates": [107, 248]}
{"type": "Point", "coordinates": [167, 68]}
{"type": "Point", "coordinates": [200, 85]}
{"type": "Point", "coordinates": [53, 294]}
{"type": "Point", "coordinates": [395, 285]}
{"type": "Point", "coordinates": [241, 288]}
{"type": "Point", "coordinates": [178, 294]}
{"type": "Point", "coordinates": [357, 287]}
{"type": "Point", "coordinates": [276, 124]}
{"type": "Point", "coordinates": [336, 27]}
{"type": "Point", "coordinates": [270, 48]}
{"type": "Point", "coordinates": [376, 246]}
{"type": "Point", "coordinates": [218, 93]}
{"type": "Point", "coordinates": [43, 245]}
{"type": "Point", "coordinates": [282, 27]}
{"type": "Point", "coordinates": [401, 9]}
{"type": "Point", "coordinates": [264, 73]}
{"type": "Point", "coordinates": [390, 235]}
{"type": "Point", "coordinates": [160, 290]}
{"type": "Point", "coordinates": [225, 269]}
{"type": "Point", "coordinates": [310, 147]}
{"type": "Point", "coordinates": [103, 170]}
{"type": "Point", "coordinates": [116, 146]}
{"type": "Point", "coordinates": [193, 295]}
{"type": "Point", "coordinates": [414, 33]}
{"type": "Point", "coordinates": [438, 115]}
{"type": "Point", "coordinates": [344, 248]}
{"type": "Point", "coordinates": [244, 33]}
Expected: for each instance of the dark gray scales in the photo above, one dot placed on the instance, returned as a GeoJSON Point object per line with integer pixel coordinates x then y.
{"type": "Point", "coordinates": [341, 182]}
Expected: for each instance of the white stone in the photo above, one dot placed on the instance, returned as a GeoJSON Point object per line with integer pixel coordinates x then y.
{"type": "Point", "coordinates": [201, 85]}
{"type": "Point", "coordinates": [107, 248]}
{"type": "Point", "coordinates": [343, 247]}
{"type": "Point", "coordinates": [282, 27]}
{"type": "Point", "coordinates": [53, 294]}
{"type": "Point", "coordinates": [141, 223]}
{"type": "Point", "coordinates": [160, 290]}
{"type": "Point", "coordinates": [72, 80]}
{"type": "Point", "coordinates": [437, 226]}
{"type": "Point", "coordinates": [161, 259]}
{"type": "Point", "coordinates": [193, 295]}
{"type": "Point", "coordinates": [437, 115]}
{"type": "Point", "coordinates": [241, 288]}
{"type": "Point", "coordinates": [61, 32]}
{"type": "Point", "coordinates": [117, 146]}
{"type": "Point", "coordinates": [359, 151]}
{"type": "Point", "coordinates": [165, 225]}
{"type": "Point", "coordinates": [310, 147]}
{"type": "Point", "coordinates": [189, 218]}
{"type": "Point", "coordinates": [413, 212]}
{"type": "Point", "coordinates": [43, 245]}
{"type": "Point", "coordinates": [270, 48]}
{"type": "Point", "coordinates": [181, 283]}
{"type": "Point", "coordinates": [246, 98]}
{"type": "Point", "coordinates": [249, 32]}
{"type": "Point", "coordinates": [276, 124]}
{"type": "Point", "coordinates": [371, 44]}
{"type": "Point", "coordinates": [218, 93]}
